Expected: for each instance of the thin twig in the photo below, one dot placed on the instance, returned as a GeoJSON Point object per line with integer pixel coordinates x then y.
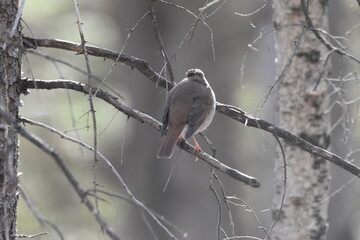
{"type": "Point", "coordinates": [121, 51]}
{"type": "Point", "coordinates": [347, 184]}
{"type": "Point", "coordinates": [208, 4]}
{"type": "Point", "coordinates": [284, 71]}
{"type": "Point", "coordinates": [212, 189]}
{"type": "Point", "coordinates": [131, 30]}
{"type": "Point", "coordinates": [54, 59]}
{"type": "Point", "coordinates": [159, 216]}
{"type": "Point", "coordinates": [42, 220]}
{"type": "Point", "coordinates": [148, 225]}
{"type": "Point", "coordinates": [209, 143]}
{"type": "Point", "coordinates": [160, 42]}
{"type": "Point", "coordinates": [232, 225]}
{"type": "Point", "coordinates": [191, 29]}
{"type": "Point", "coordinates": [280, 210]}
{"type": "Point", "coordinates": [108, 124]}
{"type": "Point", "coordinates": [321, 74]}
{"type": "Point", "coordinates": [113, 169]}
{"type": "Point", "coordinates": [242, 237]}
{"type": "Point", "coordinates": [71, 107]}
{"type": "Point", "coordinates": [248, 209]}
{"type": "Point", "coordinates": [123, 141]}
{"type": "Point", "coordinates": [326, 43]}
{"type": "Point", "coordinates": [255, 11]}
{"type": "Point", "coordinates": [31, 236]}
{"type": "Point", "coordinates": [91, 102]}
{"type": "Point", "coordinates": [213, 12]}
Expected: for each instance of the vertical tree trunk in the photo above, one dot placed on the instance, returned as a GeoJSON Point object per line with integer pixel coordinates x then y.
{"type": "Point", "coordinates": [300, 109]}
{"type": "Point", "coordinates": [10, 72]}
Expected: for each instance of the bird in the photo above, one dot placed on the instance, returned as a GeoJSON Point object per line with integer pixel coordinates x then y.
{"type": "Point", "coordinates": [190, 108]}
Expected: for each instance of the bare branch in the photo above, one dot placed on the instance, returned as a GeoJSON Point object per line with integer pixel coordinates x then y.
{"type": "Point", "coordinates": [140, 116]}
{"type": "Point", "coordinates": [231, 111]}
{"type": "Point", "coordinates": [233, 200]}
{"type": "Point", "coordinates": [31, 236]}
{"type": "Point", "coordinates": [241, 116]}
{"type": "Point", "coordinates": [133, 199]}
{"type": "Point", "coordinates": [57, 60]}
{"type": "Point", "coordinates": [75, 184]}
{"type": "Point", "coordinates": [160, 42]}
{"type": "Point", "coordinates": [123, 141]}
{"type": "Point", "coordinates": [123, 47]}
{"type": "Point", "coordinates": [284, 71]}
{"type": "Point", "coordinates": [326, 43]}
{"type": "Point", "coordinates": [212, 189]}
{"type": "Point", "coordinates": [280, 210]}
{"type": "Point", "coordinates": [37, 215]}
{"type": "Point", "coordinates": [242, 237]}
{"type": "Point", "coordinates": [131, 61]}
{"type": "Point", "coordinates": [224, 196]}
{"type": "Point", "coordinates": [255, 11]}
{"type": "Point", "coordinates": [91, 102]}
{"type": "Point", "coordinates": [159, 216]}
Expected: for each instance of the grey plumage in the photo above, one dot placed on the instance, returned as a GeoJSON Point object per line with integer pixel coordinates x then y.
{"type": "Point", "coordinates": [189, 110]}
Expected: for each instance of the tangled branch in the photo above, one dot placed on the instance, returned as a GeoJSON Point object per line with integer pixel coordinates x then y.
{"type": "Point", "coordinates": [228, 110]}
{"type": "Point", "coordinates": [140, 116]}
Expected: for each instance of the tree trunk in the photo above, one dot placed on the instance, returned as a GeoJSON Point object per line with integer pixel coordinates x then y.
{"type": "Point", "coordinates": [300, 109]}
{"type": "Point", "coordinates": [10, 72]}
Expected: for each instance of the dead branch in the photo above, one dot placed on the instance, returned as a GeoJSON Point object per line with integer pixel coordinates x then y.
{"type": "Point", "coordinates": [131, 61]}
{"type": "Point", "coordinates": [316, 32]}
{"type": "Point", "coordinates": [140, 116]}
{"type": "Point", "coordinates": [132, 199]}
{"type": "Point", "coordinates": [60, 162]}
{"type": "Point", "coordinates": [241, 116]}
{"type": "Point", "coordinates": [228, 110]}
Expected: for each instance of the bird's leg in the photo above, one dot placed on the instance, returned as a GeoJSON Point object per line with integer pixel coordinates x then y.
{"type": "Point", "coordinates": [197, 147]}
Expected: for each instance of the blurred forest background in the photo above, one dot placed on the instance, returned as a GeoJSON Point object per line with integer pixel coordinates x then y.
{"type": "Point", "coordinates": [239, 73]}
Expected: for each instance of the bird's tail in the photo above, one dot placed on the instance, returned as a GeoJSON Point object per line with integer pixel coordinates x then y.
{"type": "Point", "coordinates": [168, 144]}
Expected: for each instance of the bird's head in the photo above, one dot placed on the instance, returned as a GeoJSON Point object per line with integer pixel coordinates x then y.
{"type": "Point", "coordinates": [196, 75]}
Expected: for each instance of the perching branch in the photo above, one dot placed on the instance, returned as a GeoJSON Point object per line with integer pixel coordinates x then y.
{"type": "Point", "coordinates": [241, 116]}
{"type": "Point", "coordinates": [140, 116]}
{"type": "Point", "coordinates": [230, 111]}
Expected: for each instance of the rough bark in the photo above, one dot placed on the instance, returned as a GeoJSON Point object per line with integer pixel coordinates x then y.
{"type": "Point", "coordinates": [300, 109]}
{"type": "Point", "coordinates": [10, 72]}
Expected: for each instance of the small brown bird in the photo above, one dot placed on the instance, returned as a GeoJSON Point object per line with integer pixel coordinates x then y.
{"type": "Point", "coordinates": [189, 110]}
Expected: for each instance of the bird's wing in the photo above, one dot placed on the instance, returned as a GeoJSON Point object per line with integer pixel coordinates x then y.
{"type": "Point", "coordinates": [165, 121]}
{"type": "Point", "coordinates": [197, 114]}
